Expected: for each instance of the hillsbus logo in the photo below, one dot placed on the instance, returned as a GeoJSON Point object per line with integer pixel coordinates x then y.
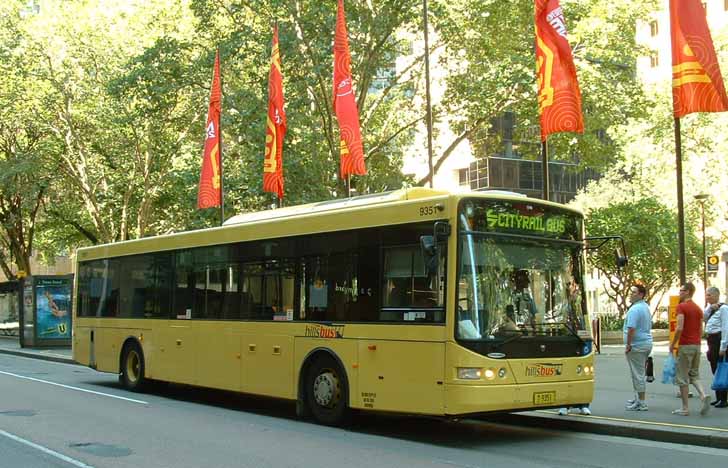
{"type": "Point", "coordinates": [543, 370]}
{"type": "Point", "coordinates": [336, 331]}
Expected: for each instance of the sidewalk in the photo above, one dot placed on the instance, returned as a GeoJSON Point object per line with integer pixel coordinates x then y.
{"type": "Point", "coordinates": [613, 388]}
{"type": "Point", "coordinates": [11, 345]}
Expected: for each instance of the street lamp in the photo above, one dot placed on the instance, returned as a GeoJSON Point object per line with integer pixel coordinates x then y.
{"type": "Point", "coordinates": [700, 198]}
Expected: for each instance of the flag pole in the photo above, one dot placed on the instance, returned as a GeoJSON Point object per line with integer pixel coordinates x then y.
{"type": "Point", "coordinates": [348, 185]}
{"type": "Point", "coordinates": [680, 207]}
{"type": "Point", "coordinates": [545, 168]}
{"type": "Point", "coordinates": [219, 136]}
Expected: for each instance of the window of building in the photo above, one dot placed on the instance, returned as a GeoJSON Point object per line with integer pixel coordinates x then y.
{"type": "Point", "coordinates": [654, 60]}
{"type": "Point", "coordinates": [725, 5]}
{"type": "Point", "coordinates": [463, 176]}
{"type": "Point", "coordinates": [654, 28]}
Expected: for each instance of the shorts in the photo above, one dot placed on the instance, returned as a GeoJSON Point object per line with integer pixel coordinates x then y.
{"type": "Point", "coordinates": [688, 365]}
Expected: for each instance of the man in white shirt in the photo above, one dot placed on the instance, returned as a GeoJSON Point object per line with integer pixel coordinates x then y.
{"type": "Point", "coordinates": [716, 327]}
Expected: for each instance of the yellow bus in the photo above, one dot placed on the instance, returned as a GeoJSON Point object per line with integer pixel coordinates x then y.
{"type": "Point", "coordinates": [415, 301]}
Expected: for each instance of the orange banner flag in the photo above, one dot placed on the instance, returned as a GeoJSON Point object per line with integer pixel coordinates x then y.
{"type": "Point", "coordinates": [352, 152]}
{"type": "Point", "coordinates": [276, 125]}
{"type": "Point", "coordinates": [559, 98]}
{"type": "Point", "coordinates": [697, 85]}
{"type": "Point", "coordinates": [210, 189]}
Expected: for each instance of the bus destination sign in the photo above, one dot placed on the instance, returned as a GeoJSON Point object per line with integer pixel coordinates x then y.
{"type": "Point", "coordinates": [534, 223]}
{"type": "Point", "coordinates": [522, 218]}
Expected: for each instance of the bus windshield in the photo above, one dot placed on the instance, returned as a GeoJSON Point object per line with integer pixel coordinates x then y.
{"type": "Point", "coordinates": [510, 286]}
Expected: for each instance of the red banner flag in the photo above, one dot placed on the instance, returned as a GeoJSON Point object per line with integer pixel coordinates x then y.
{"type": "Point", "coordinates": [210, 193]}
{"type": "Point", "coordinates": [559, 98]}
{"type": "Point", "coordinates": [697, 85]}
{"type": "Point", "coordinates": [352, 153]}
{"type": "Point", "coordinates": [276, 125]}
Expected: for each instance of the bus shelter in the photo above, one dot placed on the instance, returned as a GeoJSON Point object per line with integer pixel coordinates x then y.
{"type": "Point", "coordinates": [9, 308]}
{"type": "Point", "coordinates": [45, 318]}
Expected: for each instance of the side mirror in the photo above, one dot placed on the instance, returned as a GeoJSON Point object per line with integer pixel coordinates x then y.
{"type": "Point", "coordinates": [620, 260]}
{"type": "Point", "coordinates": [429, 254]}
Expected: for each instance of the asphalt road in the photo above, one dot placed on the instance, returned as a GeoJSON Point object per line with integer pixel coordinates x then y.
{"type": "Point", "coordinates": [60, 415]}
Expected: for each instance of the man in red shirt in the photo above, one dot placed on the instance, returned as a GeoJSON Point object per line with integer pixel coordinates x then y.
{"type": "Point", "coordinates": [687, 335]}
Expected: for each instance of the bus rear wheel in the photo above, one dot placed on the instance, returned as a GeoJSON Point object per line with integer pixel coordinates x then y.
{"type": "Point", "coordinates": [327, 392]}
{"type": "Point", "coordinates": [132, 367]}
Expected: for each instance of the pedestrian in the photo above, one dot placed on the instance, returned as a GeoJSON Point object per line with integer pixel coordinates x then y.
{"type": "Point", "coordinates": [687, 335]}
{"type": "Point", "coordinates": [638, 344]}
{"type": "Point", "coordinates": [716, 327]}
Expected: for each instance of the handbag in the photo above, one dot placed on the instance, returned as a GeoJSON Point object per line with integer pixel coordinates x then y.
{"type": "Point", "coordinates": [669, 370]}
{"type": "Point", "coordinates": [720, 379]}
{"type": "Point", "coordinates": [649, 369]}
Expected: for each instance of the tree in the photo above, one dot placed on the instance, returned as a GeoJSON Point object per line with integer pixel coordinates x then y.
{"type": "Point", "coordinates": [311, 149]}
{"type": "Point", "coordinates": [24, 176]}
{"type": "Point", "coordinates": [490, 69]}
{"type": "Point", "coordinates": [119, 126]}
{"type": "Point", "coordinates": [650, 233]}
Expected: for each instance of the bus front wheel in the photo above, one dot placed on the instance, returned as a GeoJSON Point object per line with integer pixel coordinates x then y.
{"type": "Point", "coordinates": [327, 393]}
{"type": "Point", "coordinates": [132, 367]}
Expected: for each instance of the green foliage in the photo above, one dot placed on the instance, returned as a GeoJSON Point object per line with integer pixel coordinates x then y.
{"type": "Point", "coordinates": [102, 130]}
{"type": "Point", "coordinates": [649, 230]}
{"type": "Point", "coordinates": [611, 322]}
{"type": "Point", "coordinates": [490, 63]}
{"type": "Point", "coordinates": [615, 322]}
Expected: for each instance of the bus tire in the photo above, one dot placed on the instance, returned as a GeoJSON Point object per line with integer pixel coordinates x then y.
{"type": "Point", "coordinates": [327, 392]}
{"type": "Point", "coordinates": [132, 367]}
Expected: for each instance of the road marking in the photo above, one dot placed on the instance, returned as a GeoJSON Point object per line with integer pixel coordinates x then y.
{"type": "Point", "coordinates": [640, 421]}
{"type": "Point", "coordinates": [74, 388]}
{"type": "Point", "coordinates": [48, 451]}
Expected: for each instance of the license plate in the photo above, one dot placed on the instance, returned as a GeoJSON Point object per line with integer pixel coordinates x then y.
{"type": "Point", "coordinates": [544, 398]}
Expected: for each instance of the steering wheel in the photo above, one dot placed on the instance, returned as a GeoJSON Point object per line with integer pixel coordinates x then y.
{"type": "Point", "coordinates": [468, 304]}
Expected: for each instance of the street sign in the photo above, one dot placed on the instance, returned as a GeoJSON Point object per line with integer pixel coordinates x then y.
{"type": "Point", "coordinates": [713, 261]}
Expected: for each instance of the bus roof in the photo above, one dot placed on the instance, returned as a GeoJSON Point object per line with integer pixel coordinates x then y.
{"type": "Point", "coordinates": [338, 204]}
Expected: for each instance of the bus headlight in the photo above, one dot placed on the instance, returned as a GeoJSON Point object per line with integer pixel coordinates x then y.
{"type": "Point", "coordinates": [489, 374]}
{"type": "Point", "coordinates": [578, 369]}
{"type": "Point", "coordinates": [502, 372]}
{"type": "Point", "coordinates": [470, 373]}
{"type": "Point", "coordinates": [587, 370]}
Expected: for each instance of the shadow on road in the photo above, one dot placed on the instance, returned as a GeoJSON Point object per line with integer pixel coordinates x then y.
{"type": "Point", "coordinates": [465, 433]}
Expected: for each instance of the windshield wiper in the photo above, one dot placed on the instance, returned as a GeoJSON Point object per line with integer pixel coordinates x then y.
{"type": "Point", "coordinates": [573, 332]}
{"type": "Point", "coordinates": [519, 334]}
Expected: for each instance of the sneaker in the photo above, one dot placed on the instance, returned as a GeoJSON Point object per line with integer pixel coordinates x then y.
{"type": "Point", "coordinates": [637, 406]}
{"type": "Point", "coordinates": [630, 402]}
{"type": "Point", "coordinates": [650, 378]}
{"type": "Point", "coordinates": [563, 411]}
{"type": "Point", "coordinates": [586, 411]}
